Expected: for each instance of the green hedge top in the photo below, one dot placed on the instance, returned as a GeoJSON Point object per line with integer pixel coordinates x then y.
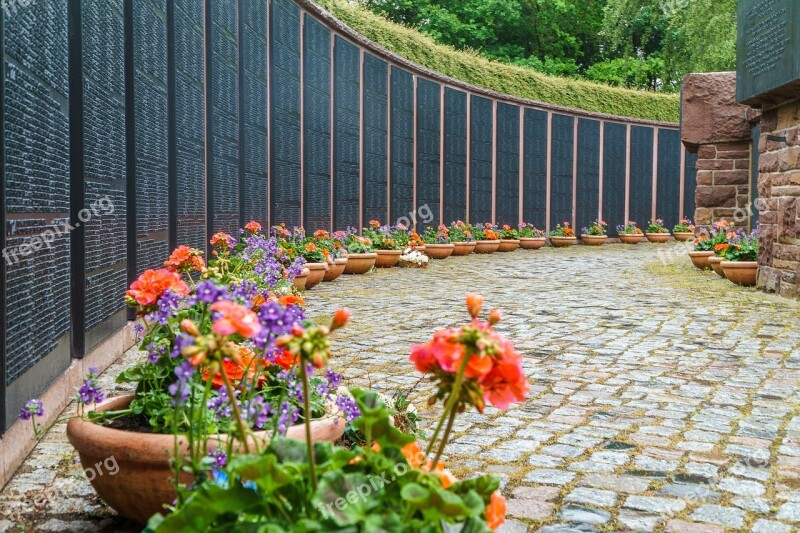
{"type": "Point", "coordinates": [520, 82]}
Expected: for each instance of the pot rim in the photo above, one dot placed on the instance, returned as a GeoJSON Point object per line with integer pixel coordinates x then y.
{"type": "Point", "coordinates": [156, 448]}
{"type": "Point", "coordinates": [739, 264]}
{"type": "Point", "coordinates": [488, 241]}
{"type": "Point", "coordinates": [316, 266]}
{"type": "Point", "coordinates": [441, 245]}
{"type": "Point", "coordinates": [473, 243]}
{"type": "Point", "coordinates": [389, 252]}
{"type": "Point", "coordinates": [659, 233]}
{"type": "Point", "coordinates": [340, 261]}
{"type": "Point", "coordinates": [362, 256]}
{"type": "Point", "coordinates": [565, 238]}
{"type": "Point", "coordinates": [584, 235]}
{"type": "Point", "coordinates": [533, 238]}
{"type": "Point", "coordinates": [701, 253]}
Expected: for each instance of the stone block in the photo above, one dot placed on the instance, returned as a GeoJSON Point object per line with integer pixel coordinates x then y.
{"type": "Point", "coordinates": [715, 197]}
{"type": "Point", "coordinates": [714, 164]}
{"type": "Point", "coordinates": [730, 177]}
{"type": "Point", "coordinates": [710, 113]}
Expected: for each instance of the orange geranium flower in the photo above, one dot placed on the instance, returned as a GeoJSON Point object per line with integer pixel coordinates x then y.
{"type": "Point", "coordinates": [247, 364]}
{"type": "Point", "coordinates": [286, 359]}
{"type": "Point", "coordinates": [290, 299]}
{"type": "Point", "coordinates": [413, 454]}
{"type": "Point", "coordinates": [506, 382]}
{"type": "Point", "coordinates": [311, 247]}
{"type": "Point", "coordinates": [374, 223]}
{"type": "Point", "coordinates": [721, 247]}
{"type": "Point", "coordinates": [496, 511]}
{"type": "Point", "coordinates": [253, 226]}
{"type": "Point", "coordinates": [222, 239]}
{"type": "Point", "coordinates": [321, 234]}
{"type": "Point", "coordinates": [235, 319]}
{"type": "Point", "coordinates": [152, 284]}
{"type": "Point", "coordinates": [184, 259]}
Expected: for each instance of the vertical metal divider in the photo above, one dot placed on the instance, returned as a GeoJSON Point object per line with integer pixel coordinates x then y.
{"type": "Point", "coordinates": [130, 146]}
{"type": "Point", "coordinates": [682, 202]}
{"type": "Point", "coordinates": [521, 169]}
{"type": "Point", "coordinates": [654, 208]}
{"type": "Point", "coordinates": [628, 174]}
{"type": "Point", "coordinates": [575, 121]}
{"type": "Point", "coordinates": [469, 152]}
{"type": "Point", "coordinates": [414, 182]}
{"type": "Point", "coordinates": [601, 170]}
{"type": "Point", "coordinates": [361, 119]}
{"type": "Point", "coordinates": [209, 140]}
{"type": "Point", "coordinates": [172, 134]}
{"type": "Point", "coordinates": [549, 171]}
{"type": "Point", "coordinates": [270, 153]}
{"type": "Point", "coordinates": [77, 192]}
{"type": "Point", "coordinates": [241, 79]}
{"type": "Point", "coordinates": [302, 117]}
{"type": "Point", "coordinates": [442, 134]}
{"type": "Point", "coordinates": [333, 128]}
{"type": "Point", "coordinates": [4, 423]}
{"type": "Point", "coordinates": [494, 161]}
{"type": "Point", "coordinates": [389, 143]}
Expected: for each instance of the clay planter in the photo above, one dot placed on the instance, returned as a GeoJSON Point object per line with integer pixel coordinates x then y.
{"type": "Point", "coordinates": [486, 247]}
{"type": "Point", "coordinates": [336, 269]}
{"type": "Point", "coordinates": [387, 258]}
{"type": "Point", "coordinates": [531, 243]}
{"type": "Point", "coordinates": [420, 249]}
{"type": "Point", "coordinates": [715, 262]}
{"type": "Point", "coordinates": [563, 242]}
{"type": "Point", "coordinates": [318, 271]}
{"type": "Point", "coordinates": [594, 240]}
{"type": "Point", "coordinates": [142, 486]}
{"type": "Point", "coordinates": [658, 237]}
{"type": "Point", "coordinates": [700, 259]}
{"type": "Point", "coordinates": [300, 281]}
{"type": "Point", "coordinates": [634, 238]}
{"type": "Point", "coordinates": [463, 248]}
{"type": "Point", "coordinates": [683, 236]}
{"type": "Point", "coordinates": [360, 263]}
{"type": "Point", "coordinates": [439, 251]}
{"type": "Point", "coordinates": [743, 273]}
{"type": "Point", "coordinates": [508, 245]}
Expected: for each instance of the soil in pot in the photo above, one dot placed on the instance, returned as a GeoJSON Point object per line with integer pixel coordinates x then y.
{"type": "Point", "coordinates": [487, 247]}
{"type": "Point", "coordinates": [439, 251]}
{"type": "Point", "coordinates": [715, 262]}
{"type": "Point", "coordinates": [318, 271]}
{"type": "Point", "coordinates": [336, 269]}
{"type": "Point", "coordinates": [142, 485]}
{"type": "Point", "coordinates": [563, 242]}
{"type": "Point", "coordinates": [463, 248]}
{"type": "Point", "coordinates": [360, 263]}
{"type": "Point", "coordinates": [700, 259]}
{"type": "Point", "coordinates": [743, 273]}
{"type": "Point", "coordinates": [658, 237]}
{"type": "Point", "coordinates": [508, 245]}
{"type": "Point", "coordinates": [593, 240]}
{"type": "Point", "coordinates": [387, 258]}
{"type": "Point", "coordinates": [531, 243]}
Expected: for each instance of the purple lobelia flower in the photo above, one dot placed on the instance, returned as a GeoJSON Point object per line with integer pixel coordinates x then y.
{"type": "Point", "coordinates": [349, 407]}
{"type": "Point", "coordinates": [287, 417]}
{"type": "Point", "coordinates": [257, 411]}
{"type": "Point", "coordinates": [276, 321]}
{"type": "Point", "coordinates": [220, 458]}
{"type": "Point", "coordinates": [31, 409]}
{"type": "Point", "coordinates": [220, 405]}
{"type": "Point", "coordinates": [167, 308]}
{"type": "Point", "coordinates": [182, 340]}
{"type": "Point", "coordinates": [90, 391]}
{"type": "Point", "coordinates": [209, 292]}
{"type": "Point", "coordinates": [179, 390]}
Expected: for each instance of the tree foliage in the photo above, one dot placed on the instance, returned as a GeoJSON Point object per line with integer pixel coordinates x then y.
{"type": "Point", "coordinates": [643, 44]}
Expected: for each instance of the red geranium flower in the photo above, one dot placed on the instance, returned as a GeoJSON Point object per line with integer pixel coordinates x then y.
{"type": "Point", "coordinates": [184, 259]}
{"type": "Point", "coordinates": [253, 226]}
{"type": "Point", "coordinates": [235, 319]}
{"type": "Point", "coordinates": [152, 284]}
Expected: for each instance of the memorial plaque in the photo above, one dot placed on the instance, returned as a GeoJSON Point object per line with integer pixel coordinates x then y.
{"type": "Point", "coordinates": [768, 69]}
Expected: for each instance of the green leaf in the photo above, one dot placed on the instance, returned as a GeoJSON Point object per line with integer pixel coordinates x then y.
{"type": "Point", "coordinates": [347, 499]}
{"type": "Point", "coordinates": [374, 420]}
{"type": "Point", "coordinates": [209, 506]}
{"type": "Point", "coordinates": [265, 472]}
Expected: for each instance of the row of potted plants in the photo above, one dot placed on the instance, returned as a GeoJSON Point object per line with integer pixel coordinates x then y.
{"type": "Point", "coordinates": [733, 254]}
{"type": "Point", "coordinates": [596, 233]}
{"type": "Point", "coordinates": [238, 422]}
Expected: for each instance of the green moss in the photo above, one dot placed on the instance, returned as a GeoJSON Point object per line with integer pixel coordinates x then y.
{"type": "Point", "coordinates": [521, 82]}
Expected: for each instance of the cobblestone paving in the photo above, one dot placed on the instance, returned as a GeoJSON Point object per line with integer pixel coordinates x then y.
{"type": "Point", "coordinates": [663, 398]}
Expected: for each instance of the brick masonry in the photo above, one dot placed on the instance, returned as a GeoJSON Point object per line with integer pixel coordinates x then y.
{"type": "Point", "coordinates": [779, 188]}
{"type": "Point", "coordinates": [723, 183]}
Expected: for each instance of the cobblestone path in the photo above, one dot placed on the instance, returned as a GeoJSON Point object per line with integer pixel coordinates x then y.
{"type": "Point", "coordinates": [663, 398]}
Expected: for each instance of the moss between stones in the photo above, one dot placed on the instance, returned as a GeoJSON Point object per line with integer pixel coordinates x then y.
{"type": "Point", "coordinates": [472, 68]}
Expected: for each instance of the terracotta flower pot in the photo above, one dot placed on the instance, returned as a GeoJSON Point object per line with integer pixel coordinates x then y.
{"type": "Point", "coordinates": [318, 271]}
{"type": "Point", "coordinates": [683, 236]}
{"type": "Point", "coordinates": [715, 262]}
{"type": "Point", "coordinates": [658, 237]}
{"type": "Point", "coordinates": [743, 273]}
{"type": "Point", "coordinates": [487, 247]}
{"type": "Point", "coordinates": [142, 485]}
{"type": "Point", "coordinates": [336, 269]}
{"type": "Point", "coordinates": [508, 245]}
{"type": "Point", "coordinates": [700, 259]}
{"type": "Point", "coordinates": [439, 251]}
{"type": "Point", "coordinates": [633, 238]}
{"type": "Point", "coordinates": [360, 263]}
{"type": "Point", "coordinates": [563, 242]}
{"type": "Point", "coordinates": [420, 249]}
{"type": "Point", "coordinates": [300, 281]}
{"type": "Point", "coordinates": [387, 258]}
{"type": "Point", "coordinates": [531, 243]}
{"type": "Point", "coordinates": [463, 248]}
{"type": "Point", "coordinates": [594, 240]}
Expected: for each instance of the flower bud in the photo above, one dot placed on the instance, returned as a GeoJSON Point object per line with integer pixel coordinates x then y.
{"type": "Point", "coordinates": [494, 316]}
{"type": "Point", "coordinates": [297, 330]}
{"type": "Point", "coordinates": [474, 304]}
{"type": "Point", "coordinates": [340, 318]}
{"type": "Point", "coordinates": [190, 327]}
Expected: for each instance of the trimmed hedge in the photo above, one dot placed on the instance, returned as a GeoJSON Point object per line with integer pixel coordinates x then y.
{"type": "Point", "coordinates": [472, 68]}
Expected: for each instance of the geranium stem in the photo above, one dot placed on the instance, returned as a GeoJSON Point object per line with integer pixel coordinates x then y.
{"type": "Point", "coordinates": [236, 413]}
{"type": "Point", "coordinates": [452, 400]}
{"type": "Point", "coordinates": [312, 469]}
